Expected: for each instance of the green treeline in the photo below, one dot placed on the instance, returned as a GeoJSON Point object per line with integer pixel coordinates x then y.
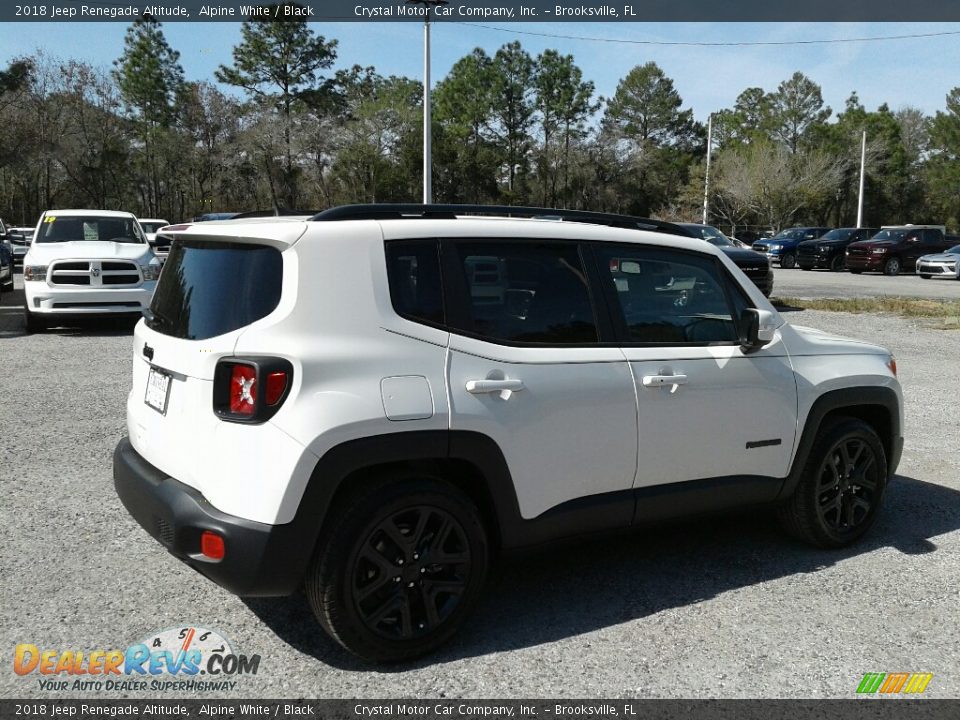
{"type": "Point", "coordinates": [508, 128]}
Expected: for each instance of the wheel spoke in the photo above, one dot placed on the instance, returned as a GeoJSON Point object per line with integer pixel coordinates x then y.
{"type": "Point", "coordinates": [418, 533]}
{"type": "Point", "coordinates": [390, 605]}
{"type": "Point", "coordinates": [429, 606]}
{"type": "Point", "coordinates": [862, 504]}
{"type": "Point", "coordinates": [393, 532]}
{"type": "Point", "coordinates": [406, 619]}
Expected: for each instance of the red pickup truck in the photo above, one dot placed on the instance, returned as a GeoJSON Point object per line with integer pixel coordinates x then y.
{"type": "Point", "coordinates": [896, 248]}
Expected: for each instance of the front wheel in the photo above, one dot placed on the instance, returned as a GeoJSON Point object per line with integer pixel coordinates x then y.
{"type": "Point", "coordinates": [892, 266]}
{"type": "Point", "coordinates": [401, 570]}
{"type": "Point", "coordinates": [788, 261]}
{"type": "Point", "coordinates": [841, 488]}
{"type": "Point", "coordinates": [837, 264]}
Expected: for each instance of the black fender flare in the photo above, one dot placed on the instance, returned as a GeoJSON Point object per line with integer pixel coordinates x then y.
{"type": "Point", "coordinates": [868, 403]}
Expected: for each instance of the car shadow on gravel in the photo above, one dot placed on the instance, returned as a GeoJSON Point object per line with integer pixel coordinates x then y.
{"type": "Point", "coordinates": [573, 590]}
{"type": "Point", "coordinates": [12, 322]}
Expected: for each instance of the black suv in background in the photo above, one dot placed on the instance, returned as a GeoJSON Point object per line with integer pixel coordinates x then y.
{"type": "Point", "coordinates": [828, 251]}
{"type": "Point", "coordinates": [754, 265]}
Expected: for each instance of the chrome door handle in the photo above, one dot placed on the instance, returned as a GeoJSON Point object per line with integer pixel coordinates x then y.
{"type": "Point", "coordinates": [478, 387]}
{"type": "Point", "coordinates": [655, 381]}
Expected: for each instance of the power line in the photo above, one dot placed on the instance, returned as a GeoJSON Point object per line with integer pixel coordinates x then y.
{"type": "Point", "coordinates": [686, 43]}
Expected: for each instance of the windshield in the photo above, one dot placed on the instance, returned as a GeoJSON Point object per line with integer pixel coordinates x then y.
{"type": "Point", "coordinates": [838, 234]}
{"type": "Point", "coordinates": [152, 227]}
{"type": "Point", "coordinates": [889, 235]}
{"type": "Point", "coordinates": [75, 228]}
{"type": "Point", "coordinates": [710, 234]}
{"type": "Point", "coordinates": [955, 250]}
{"type": "Point", "coordinates": [791, 234]}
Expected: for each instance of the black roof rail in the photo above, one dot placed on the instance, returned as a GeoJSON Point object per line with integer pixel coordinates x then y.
{"type": "Point", "coordinates": [276, 212]}
{"type": "Point", "coordinates": [394, 211]}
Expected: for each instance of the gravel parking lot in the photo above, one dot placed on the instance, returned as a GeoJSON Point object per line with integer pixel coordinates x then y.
{"type": "Point", "coordinates": [726, 607]}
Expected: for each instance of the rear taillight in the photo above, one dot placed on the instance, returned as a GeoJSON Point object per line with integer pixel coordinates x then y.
{"type": "Point", "coordinates": [250, 390]}
{"type": "Point", "coordinates": [243, 390]}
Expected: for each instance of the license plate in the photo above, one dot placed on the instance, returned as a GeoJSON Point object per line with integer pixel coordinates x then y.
{"type": "Point", "coordinates": [158, 390]}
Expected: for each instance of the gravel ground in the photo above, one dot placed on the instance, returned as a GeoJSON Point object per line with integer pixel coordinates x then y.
{"type": "Point", "coordinates": [726, 607]}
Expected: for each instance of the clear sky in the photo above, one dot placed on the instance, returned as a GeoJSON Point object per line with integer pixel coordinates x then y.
{"type": "Point", "coordinates": [917, 72]}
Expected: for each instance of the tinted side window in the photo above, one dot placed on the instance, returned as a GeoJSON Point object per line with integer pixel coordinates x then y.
{"type": "Point", "coordinates": [413, 271]}
{"type": "Point", "coordinates": [931, 236]}
{"type": "Point", "coordinates": [524, 292]}
{"type": "Point", "coordinates": [669, 298]}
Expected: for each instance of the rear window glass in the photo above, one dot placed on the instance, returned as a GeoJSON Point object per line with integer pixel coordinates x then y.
{"type": "Point", "coordinates": [211, 288]}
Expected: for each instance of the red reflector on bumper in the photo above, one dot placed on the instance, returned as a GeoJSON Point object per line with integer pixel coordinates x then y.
{"type": "Point", "coordinates": [211, 545]}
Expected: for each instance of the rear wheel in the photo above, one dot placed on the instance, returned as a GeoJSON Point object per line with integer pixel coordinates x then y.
{"type": "Point", "coordinates": [892, 266]}
{"type": "Point", "coordinates": [401, 570]}
{"type": "Point", "coordinates": [788, 261]}
{"type": "Point", "coordinates": [841, 488]}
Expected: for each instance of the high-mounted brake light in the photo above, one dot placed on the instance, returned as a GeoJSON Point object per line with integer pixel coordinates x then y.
{"type": "Point", "coordinates": [250, 389]}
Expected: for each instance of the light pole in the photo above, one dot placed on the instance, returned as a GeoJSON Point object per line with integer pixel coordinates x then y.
{"type": "Point", "coordinates": [706, 175]}
{"type": "Point", "coordinates": [427, 134]}
{"type": "Point", "coordinates": [863, 172]}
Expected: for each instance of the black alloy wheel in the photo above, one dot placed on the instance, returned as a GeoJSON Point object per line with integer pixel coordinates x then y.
{"type": "Point", "coordinates": [848, 486]}
{"type": "Point", "coordinates": [410, 573]}
{"type": "Point", "coordinates": [400, 568]}
{"type": "Point", "coordinates": [841, 487]}
{"type": "Point", "coordinates": [837, 263]}
{"type": "Point", "coordinates": [788, 261]}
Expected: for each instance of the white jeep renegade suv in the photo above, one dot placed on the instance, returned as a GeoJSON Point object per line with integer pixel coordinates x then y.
{"type": "Point", "coordinates": [376, 402]}
{"type": "Point", "coordinates": [87, 262]}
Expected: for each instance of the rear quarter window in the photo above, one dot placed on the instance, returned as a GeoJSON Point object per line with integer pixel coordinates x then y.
{"type": "Point", "coordinates": [212, 288]}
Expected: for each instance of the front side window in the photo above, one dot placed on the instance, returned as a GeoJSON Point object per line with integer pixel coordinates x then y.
{"type": "Point", "coordinates": [76, 228]}
{"type": "Point", "coordinates": [669, 298]}
{"type": "Point", "coordinates": [523, 292]}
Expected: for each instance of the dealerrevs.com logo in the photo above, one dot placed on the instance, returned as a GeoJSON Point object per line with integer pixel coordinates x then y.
{"type": "Point", "coordinates": [894, 683]}
{"type": "Point", "coordinates": [184, 658]}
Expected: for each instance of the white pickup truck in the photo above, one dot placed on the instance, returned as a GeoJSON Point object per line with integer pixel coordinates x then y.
{"type": "Point", "coordinates": [87, 262]}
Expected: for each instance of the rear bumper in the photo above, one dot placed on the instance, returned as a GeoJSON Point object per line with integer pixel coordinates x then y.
{"type": "Point", "coordinates": [260, 559]}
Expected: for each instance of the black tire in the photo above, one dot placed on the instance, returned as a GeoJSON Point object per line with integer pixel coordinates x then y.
{"type": "Point", "coordinates": [352, 583]}
{"type": "Point", "coordinates": [832, 509]}
{"type": "Point", "coordinates": [33, 322]}
{"type": "Point", "coordinates": [838, 263]}
{"type": "Point", "coordinates": [892, 266]}
{"type": "Point", "coordinates": [924, 276]}
{"type": "Point", "coordinates": [788, 261]}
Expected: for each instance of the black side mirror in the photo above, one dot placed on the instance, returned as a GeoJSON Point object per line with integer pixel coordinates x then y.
{"type": "Point", "coordinates": [750, 329]}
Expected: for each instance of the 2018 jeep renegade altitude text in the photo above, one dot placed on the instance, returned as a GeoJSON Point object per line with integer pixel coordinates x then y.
{"type": "Point", "coordinates": [373, 405]}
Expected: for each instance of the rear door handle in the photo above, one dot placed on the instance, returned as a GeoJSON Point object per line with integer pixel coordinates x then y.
{"type": "Point", "coordinates": [655, 381]}
{"type": "Point", "coordinates": [478, 387]}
